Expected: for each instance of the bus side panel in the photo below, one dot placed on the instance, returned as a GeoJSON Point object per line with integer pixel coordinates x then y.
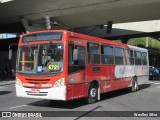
{"type": "Point", "coordinates": [108, 74]}
{"type": "Point", "coordinates": [111, 71]}
{"type": "Point", "coordinates": [94, 72]}
{"type": "Point", "coordinates": [107, 78]}
{"type": "Point", "coordinates": [106, 86]}
{"type": "Point", "coordinates": [112, 82]}
{"type": "Point", "coordinates": [142, 74]}
{"type": "Point", "coordinates": [76, 91]}
{"type": "Point", "coordinates": [142, 79]}
{"type": "Point", "coordinates": [128, 81]}
{"type": "Point", "coordinates": [77, 85]}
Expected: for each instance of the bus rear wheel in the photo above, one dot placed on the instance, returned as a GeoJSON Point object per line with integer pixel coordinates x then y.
{"type": "Point", "coordinates": [92, 94]}
{"type": "Point", "coordinates": [134, 87]}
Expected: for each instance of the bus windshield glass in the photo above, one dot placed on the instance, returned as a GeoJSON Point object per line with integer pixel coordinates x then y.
{"type": "Point", "coordinates": [40, 59]}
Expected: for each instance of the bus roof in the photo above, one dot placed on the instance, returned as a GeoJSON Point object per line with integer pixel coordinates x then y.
{"type": "Point", "coordinates": [137, 48]}
{"type": "Point", "coordinates": [96, 39]}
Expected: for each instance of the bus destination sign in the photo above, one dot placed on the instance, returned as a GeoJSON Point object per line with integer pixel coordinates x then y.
{"type": "Point", "coordinates": [42, 37]}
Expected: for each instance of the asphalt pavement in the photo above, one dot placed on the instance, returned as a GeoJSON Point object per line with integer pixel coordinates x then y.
{"type": "Point", "coordinates": [7, 82]}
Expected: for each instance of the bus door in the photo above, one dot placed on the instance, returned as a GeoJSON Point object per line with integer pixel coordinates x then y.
{"type": "Point", "coordinates": [76, 68]}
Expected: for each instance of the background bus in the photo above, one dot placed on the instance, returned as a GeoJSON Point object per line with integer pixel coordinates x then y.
{"type": "Point", "coordinates": [63, 65]}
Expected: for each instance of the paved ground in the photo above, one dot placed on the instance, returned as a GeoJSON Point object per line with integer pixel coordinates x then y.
{"type": "Point", "coordinates": [146, 99]}
{"type": "Point", "coordinates": [6, 82]}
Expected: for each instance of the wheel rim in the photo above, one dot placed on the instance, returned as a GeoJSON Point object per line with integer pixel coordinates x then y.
{"type": "Point", "coordinates": [93, 93]}
{"type": "Point", "coordinates": [135, 85]}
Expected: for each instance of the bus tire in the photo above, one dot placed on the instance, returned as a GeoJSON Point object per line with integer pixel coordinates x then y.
{"type": "Point", "coordinates": [92, 94]}
{"type": "Point", "coordinates": [134, 87]}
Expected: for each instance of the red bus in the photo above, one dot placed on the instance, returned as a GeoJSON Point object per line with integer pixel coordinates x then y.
{"type": "Point", "coordinates": [64, 65]}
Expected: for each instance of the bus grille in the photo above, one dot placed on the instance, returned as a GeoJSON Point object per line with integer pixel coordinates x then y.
{"type": "Point", "coordinates": [38, 81]}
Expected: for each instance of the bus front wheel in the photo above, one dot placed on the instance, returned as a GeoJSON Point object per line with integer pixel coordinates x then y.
{"type": "Point", "coordinates": [92, 94]}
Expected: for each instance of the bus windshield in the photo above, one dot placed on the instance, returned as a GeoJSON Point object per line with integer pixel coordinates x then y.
{"type": "Point", "coordinates": [40, 59]}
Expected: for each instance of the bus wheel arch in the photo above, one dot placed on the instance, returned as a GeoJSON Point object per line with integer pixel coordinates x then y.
{"type": "Point", "coordinates": [93, 92]}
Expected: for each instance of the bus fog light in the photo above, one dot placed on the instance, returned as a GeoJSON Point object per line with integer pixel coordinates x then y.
{"type": "Point", "coordinates": [59, 83]}
{"type": "Point", "coordinates": [18, 82]}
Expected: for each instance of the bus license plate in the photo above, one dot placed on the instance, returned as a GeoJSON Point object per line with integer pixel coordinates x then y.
{"type": "Point", "coordinates": [35, 91]}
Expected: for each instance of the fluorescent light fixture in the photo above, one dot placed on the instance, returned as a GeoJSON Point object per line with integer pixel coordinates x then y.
{"type": "Point", "coordinates": [4, 1]}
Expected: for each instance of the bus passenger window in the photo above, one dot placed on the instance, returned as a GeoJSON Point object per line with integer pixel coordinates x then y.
{"type": "Point", "coordinates": [144, 58]}
{"type": "Point", "coordinates": [129, 57]}
{"type": "Point", "coordinates": [107, 54]}
{"type": "Point", "coordinates": [138, 56]}
{"type": "Point", "coordinates": [93, 53]}
{"type": "Point", "coordinates": [119, 56]}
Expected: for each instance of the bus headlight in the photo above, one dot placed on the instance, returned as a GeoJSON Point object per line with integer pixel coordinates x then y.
{"type": "Point", "coordinates": [59, 83]}
{"type": "Point", "coordinates": [18, 82]}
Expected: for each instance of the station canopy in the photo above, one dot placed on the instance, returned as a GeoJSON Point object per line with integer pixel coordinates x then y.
{"type": "Point", "coordinates": [75, 13]}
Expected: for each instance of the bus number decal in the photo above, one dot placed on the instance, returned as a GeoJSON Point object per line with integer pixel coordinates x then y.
{"type": "Point", "coordinates": [53, 67]}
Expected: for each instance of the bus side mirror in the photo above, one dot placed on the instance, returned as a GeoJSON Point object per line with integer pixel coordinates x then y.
{"type": "Point", "coordinates": [10, 54]}
{"type": "Point", "coordinates": [75, 54]}
{"type": "Point", "coordinates": [10, 50]}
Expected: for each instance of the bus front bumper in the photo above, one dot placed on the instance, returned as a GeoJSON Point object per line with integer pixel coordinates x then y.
{"type": "Point", "coordinates": [57, 93]}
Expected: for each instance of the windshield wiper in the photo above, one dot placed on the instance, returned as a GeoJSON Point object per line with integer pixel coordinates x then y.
{"type": "Point", "coordinates": [55, 73]}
